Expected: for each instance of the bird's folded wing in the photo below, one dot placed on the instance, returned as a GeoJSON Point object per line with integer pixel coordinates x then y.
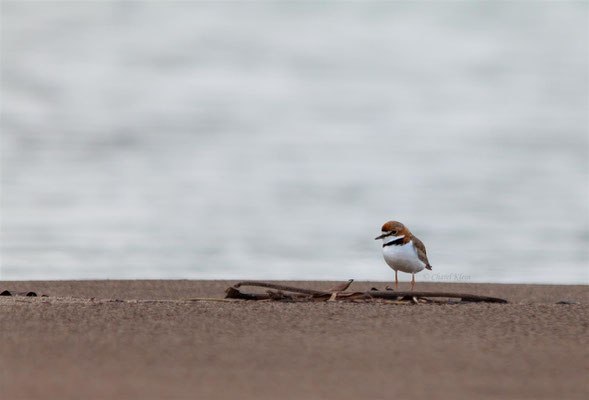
{"type": "Point", "coordinates": [420, 250]}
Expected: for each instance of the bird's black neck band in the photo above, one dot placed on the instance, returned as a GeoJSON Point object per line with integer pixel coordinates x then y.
{"type": "Point", "coordinates": [394, 242]}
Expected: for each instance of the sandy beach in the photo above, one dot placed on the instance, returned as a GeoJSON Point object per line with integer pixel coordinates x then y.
{"type": "Point", "coordinates": [140, 339]}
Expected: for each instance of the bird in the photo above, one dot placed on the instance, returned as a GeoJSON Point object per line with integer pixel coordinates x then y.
{"type": "Point", "coordinates": [402, 250]}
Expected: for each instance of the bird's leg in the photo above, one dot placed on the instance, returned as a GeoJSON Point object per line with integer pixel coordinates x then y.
{"type": "Point", "coordinates": [396, 280]}
{"type": "Point", "coordinates": [412, 281]}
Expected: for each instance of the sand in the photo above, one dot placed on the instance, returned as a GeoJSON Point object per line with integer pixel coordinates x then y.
{"type": "Point", "coordinates": [136, 339]}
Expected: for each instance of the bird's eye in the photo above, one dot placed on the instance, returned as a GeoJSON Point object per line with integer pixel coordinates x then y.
{"type": "Point", "coordinates": [393, 232]}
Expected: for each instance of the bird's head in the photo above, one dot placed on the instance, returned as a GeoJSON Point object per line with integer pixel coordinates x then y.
{"type": "Point", "coordinates": [393, 230]}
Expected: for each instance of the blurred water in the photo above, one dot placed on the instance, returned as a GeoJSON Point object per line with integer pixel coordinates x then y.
{"type": "Point", "coordinates": [272, 140]}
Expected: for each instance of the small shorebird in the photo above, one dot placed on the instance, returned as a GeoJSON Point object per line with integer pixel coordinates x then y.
{"type": "Point", "coordinates": [402, 251]}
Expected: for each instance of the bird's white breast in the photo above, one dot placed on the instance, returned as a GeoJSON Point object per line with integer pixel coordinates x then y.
{"type": "Point", "coordinates": [402, 258]}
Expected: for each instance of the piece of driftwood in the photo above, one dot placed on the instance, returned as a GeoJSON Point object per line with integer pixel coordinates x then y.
{"type": "Point", "coordinates": [281, 287]}
{"type": "Point", "coordinates": [340, 287]}
{"type": "Point", "coordinates": [291, 293]}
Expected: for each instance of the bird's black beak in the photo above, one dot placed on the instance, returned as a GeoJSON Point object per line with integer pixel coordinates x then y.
{"type": "Point", "coordinates": [380, 237]}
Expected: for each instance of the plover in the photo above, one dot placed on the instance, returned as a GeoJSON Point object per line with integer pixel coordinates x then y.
{"type": "Point", "coordinates": [402, 251]}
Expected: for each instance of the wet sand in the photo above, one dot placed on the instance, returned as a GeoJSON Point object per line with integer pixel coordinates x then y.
{"type": "Point", "coordinates": [138, 339]}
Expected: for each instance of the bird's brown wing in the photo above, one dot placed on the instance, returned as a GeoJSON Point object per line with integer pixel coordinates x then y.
{"type": "Point", "coordinates": [420, 250]}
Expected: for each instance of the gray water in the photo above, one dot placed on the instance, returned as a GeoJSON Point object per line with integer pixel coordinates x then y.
{"type": "Point", "coordinates": [272, 140]}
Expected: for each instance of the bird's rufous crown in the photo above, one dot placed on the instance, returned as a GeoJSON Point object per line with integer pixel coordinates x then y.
{"type": "Point", "coordinates": [395, 226]}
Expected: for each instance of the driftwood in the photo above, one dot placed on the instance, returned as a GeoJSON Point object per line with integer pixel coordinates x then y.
{"type": "Point", "coordinates": [291, 293]}
{"type": "Point", "coordinates": [281, 287]}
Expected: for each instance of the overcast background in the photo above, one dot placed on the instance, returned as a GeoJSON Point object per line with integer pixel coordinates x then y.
{"type": "Point", "coordinates": [272, 140]}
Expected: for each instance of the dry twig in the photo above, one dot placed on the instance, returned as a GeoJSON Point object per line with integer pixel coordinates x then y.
{"type": "Point", "coordinates": [301, 294]}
